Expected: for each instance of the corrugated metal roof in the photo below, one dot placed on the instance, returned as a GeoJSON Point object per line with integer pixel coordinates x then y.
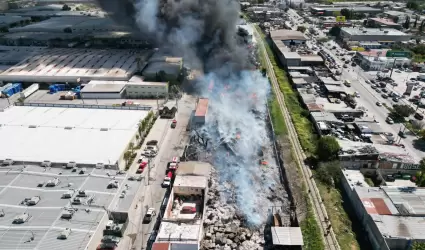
{"type": "Point", "coordinates": [380, 206]}
{"type": "Point", "coordinates": [287, 236]}
{"type": "Point", "coordinates": [161, 246]}
{"type": "Point", "coordinates": [412, 201]}
{"type": "Point", "coordinates": [202, 108]}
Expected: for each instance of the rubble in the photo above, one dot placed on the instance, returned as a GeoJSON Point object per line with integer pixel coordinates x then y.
{"type": "Point", "coordinates": [224, 225]}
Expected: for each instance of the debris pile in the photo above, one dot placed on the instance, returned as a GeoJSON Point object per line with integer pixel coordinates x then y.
{"type": "Point", "coordinates": [225, 227]}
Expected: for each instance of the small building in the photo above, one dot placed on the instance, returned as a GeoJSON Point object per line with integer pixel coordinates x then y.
{"type": "Point", "coordinates": [200, 114]}
{"type": "Point", "coordinates": [287, 237]}
{"type": "Point", "coordinates": [330, 10]}
{"type": "Point", "coordinates": [103, 90]}
{"type": "Point", "coordinates": [163, 68]}
{"type": "Point", "coordinates": [382, 59]}
{"type": "Point", "coordinates": [136, 87]}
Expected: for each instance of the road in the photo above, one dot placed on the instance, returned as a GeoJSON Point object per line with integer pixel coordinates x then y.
{"type": "Point", "coordinates": [171, 143]}
{"type": "Point", "coordinates": [368, 97]}
{"type": "Point", "coordinates": [313, 192]}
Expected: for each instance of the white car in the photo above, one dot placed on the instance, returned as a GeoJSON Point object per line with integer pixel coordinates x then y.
{"type": "Point", "coordinates": [166, 182]}
{"type": "Point", "coordinates": [389, 120]}
{"type": "Point", "coordinates": [357, 94]}
{"type": "Point", "coordinates": [149, 153]}
{"type": "Point", "coordinates": [378, 104]}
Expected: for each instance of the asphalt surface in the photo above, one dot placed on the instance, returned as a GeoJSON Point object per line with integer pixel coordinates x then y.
{"type": "Point", "coordinates": [368, 97]}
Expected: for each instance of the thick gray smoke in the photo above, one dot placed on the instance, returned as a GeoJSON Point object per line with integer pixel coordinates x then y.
{"type": "Point", "coordinates": [204, 33]}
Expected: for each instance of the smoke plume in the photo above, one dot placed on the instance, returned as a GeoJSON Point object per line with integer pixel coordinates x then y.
{"type": "Point", "coordinates": [204, 33]}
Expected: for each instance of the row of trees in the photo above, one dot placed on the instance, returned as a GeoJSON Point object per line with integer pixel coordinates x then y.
{"type": "Point", "coordinates": [143, 129]}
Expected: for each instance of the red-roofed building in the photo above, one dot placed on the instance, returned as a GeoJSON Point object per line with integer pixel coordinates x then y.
{"type": "Point", "coordinates": [200, 113]}
{"type": "Point", "coordinates": [382, 23]}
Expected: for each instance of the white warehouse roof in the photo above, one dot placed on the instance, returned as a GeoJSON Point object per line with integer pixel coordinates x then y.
{"type": "Point", "coordinates": [36, 134]}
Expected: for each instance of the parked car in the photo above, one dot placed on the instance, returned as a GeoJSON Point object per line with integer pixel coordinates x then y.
{"type": "Point", "coordinates": [149, 215]}
{"type": "Point", "coordinates": [174, 123]}
{"type": "Point", "coordinates": [389, 120]}
{"type": "Point", "coordinates": [149, 153]}
{"type": "Point", "coordinates": [378, 104]}
{"type": "Point", "coordinates": [385, 96]}
{"type": "Point", "coordinates": [401, 134]}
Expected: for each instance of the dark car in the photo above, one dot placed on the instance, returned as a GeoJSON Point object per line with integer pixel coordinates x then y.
{"type": "Point", "coordinates": [419, 116]}
{"type": "Point", "coordinates": [401, 134]}
{"type": "Point", "coordinates": [354, 64]}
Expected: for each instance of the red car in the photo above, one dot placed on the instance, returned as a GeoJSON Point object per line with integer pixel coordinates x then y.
{"type": "Point", "coordinates": [142, 167]}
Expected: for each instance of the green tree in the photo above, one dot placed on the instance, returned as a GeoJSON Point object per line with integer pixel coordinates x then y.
{"type": "Point", "coordinates": [335, 31]}
{"type": "Point", "coordinates": [137, 138]}
{"type": "Point", "coordinates": [329, 173]}
{"type": "Point", "coordinates": [416, 21]}
{"type": "Point", "coordinates": [403, 110]}
{"type": "Point", "coordinates": [347, 13]}
{"type": "Point", "coordinates": [131, 147]}
{"type": "Point", "coordinates": [301, 29]}
{"type": "Point", "coordinates": [65, 7]}
{"type": "Point", "coordinates": [418, 245]}
{"type": "Point", "coordinates": [126, 157]}
{"type": "Point", "coordinates": [406, 24]}
{"type": "Point", "coordinates": [327, 148]}
{"type": "Point", "coordinates": [413, 5]}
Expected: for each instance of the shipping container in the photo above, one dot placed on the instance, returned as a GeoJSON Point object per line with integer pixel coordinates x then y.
{"type": "Point", "coordinates": [30, 90]}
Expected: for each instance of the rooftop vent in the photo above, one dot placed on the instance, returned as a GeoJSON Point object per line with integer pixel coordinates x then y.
{"type": "Point", "coordinates": [104, 129]}
{"type": "Point", "coordinates": [52, 183]}
{"type": "Point", "coordinates": [19, 219]}
{"type": "Point", "coordinates": [386, 31]}
{"type": "Point", "coordinates": [32, 126]}
{"type": "Point", "coordinates": [364, 31]}
{"type": "Point", "coordinates": [68, 128]}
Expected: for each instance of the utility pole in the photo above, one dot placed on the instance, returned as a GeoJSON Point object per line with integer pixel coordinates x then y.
{"type": "Point", "coordinates": [149, 169]}
{"type": "Point", "coordinates": [157, 102]}
{"type": "Point", "coordinates": [392, 68]}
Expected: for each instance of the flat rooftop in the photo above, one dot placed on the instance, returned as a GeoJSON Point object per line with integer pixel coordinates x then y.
{"type": "Point", "coordinates": [373, 32]}
{"type": "Point", "coordinates": [202, 108]}
{"type": "Point", "coordinates": [284, 35]}
{"type": "Point", "coordinates": [71, 65]}
{"type": "Point", "coordinates": [191, 181]}
{"type": "Point", "coordinates": [102, 87]}
{"type": "Point", "coordinates": [44, 223]}
{"type": "Point", "coordinates": [86, 136]}
{"type": "Point", "coordinates": [178, 232]}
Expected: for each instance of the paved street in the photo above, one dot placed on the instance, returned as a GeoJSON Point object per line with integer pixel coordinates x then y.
{"type": "Point", "coordinates": [369, 97]}
{"type": "Point", "coordinates": [171, 143]}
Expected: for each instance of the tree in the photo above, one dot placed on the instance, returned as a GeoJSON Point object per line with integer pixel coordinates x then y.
{"type": "Point", "coordinates": [65, 7]}
{"type": "Point", "coordinates": [131, 147]}
{"type": "Point", "coordinates": [403, 110]}
{"type": "Point", "coordinates": [137, 138]}
{"type": "Point", "coordinates": [418, 245]}
{"type": "Point", "coordinates": [301, 29]}
{"type": "Point", "coordinates": [328, 148]}
{"type": "Point", "coordinates": [329, 173]}
{"type": "Point", "coordinates": [67, 30]}
{"type": "Point", "coordinates": [417, 125]}
{"type": "Point", "coordinates": [406, 24]}
{"type": "Point", "coordinates": [347, 13]}
{"type": "Point", "coordinates": [126, 157]}
{"type": "Point", "coordinates": [416, 21]}
{"type": "Point", "coordinates": [335, 31]}
{"type": "Point", "coordinates": [413, 5]}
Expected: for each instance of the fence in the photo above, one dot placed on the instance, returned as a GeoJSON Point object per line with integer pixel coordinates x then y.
{"type": "Point", "coordinates": [86, 106]}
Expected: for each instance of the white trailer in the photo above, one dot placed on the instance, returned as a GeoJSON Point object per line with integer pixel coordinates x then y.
{"type": "Point", "coordinates": [30, 90]}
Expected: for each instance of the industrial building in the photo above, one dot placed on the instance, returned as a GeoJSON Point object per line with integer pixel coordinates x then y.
{"type": "Point", "coordinates": [288, 37]}
{"type": "Point", "coordinates": [382, 59]}
{"type": "Point", "coordinates": [382, 36]}
{"type": "Point", "coordinates": [77, 66]}
{"type": "Point", "coordinates": [289, 45]}
{"type": "Point", "coordinates": [392, 217]}
{"type": "Point", "coordinates": [75, 24]}
{"type": "Point", "coordinates": [68, 134]}
{"type": "Point", "coordinates": [135, 88]}
{"type": "Point", "coordinates": [163, 68]}
{"type": "Point", "coordinates": [330, 10]}
{"type": "Point", "coordinates": [182, 223]}
{"type": "Point", "coordinates": [38, 204]}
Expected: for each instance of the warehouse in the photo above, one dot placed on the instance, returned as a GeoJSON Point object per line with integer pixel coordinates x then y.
{"type": "Point", "coordinates": [329, 10]}
{"type": "Point", "coordinates": [77, 65]}
{"type": "Point", "coordinates": [164, 67]}
{"type": "Point", "coordinates": [55, 206]}
{"type": "Point", "coordinates": [383, 36]}
{"type": "Point", "coordinates": [61, 135]}
{"type": "Point", "coordinates": [44, 39]}
{"type": "Point", "coordinates": [103, 90]}
{"type": "Point", "coordinates": [54, 24]}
